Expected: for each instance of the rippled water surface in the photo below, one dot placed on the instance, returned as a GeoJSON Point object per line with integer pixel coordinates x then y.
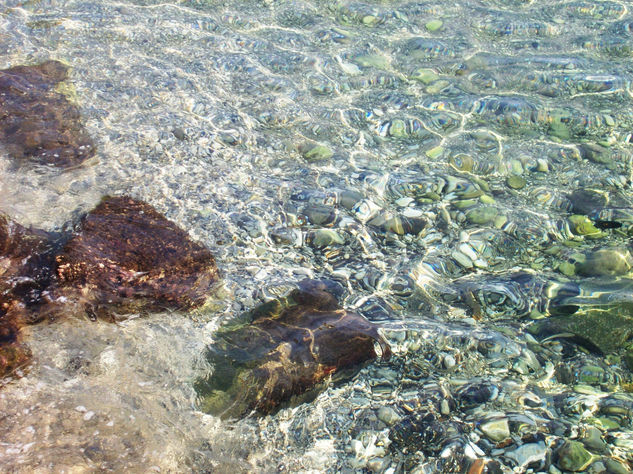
{"type": "Point", "coordinates": [462, 169]}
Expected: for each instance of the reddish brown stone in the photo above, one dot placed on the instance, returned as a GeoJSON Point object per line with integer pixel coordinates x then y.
{"type": "Point", "coordinates": [36, 121]}
{"type": "Point", "coordinates": [25, 272]}
{"type": "Point", "coordinates": [285, 353]}
{"type": "Point", "coordinates": [127, 257]}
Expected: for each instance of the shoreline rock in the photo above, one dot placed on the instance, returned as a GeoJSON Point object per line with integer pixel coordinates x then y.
{"type": "Point", "coordinates": [37, 122]}
{"type": "Point", "coordinates": [126, 257]}
{"type": "Point", "coordinates": [25, 271]}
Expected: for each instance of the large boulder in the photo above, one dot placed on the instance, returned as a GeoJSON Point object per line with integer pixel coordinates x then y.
{"type": "Point", "coordinates": [124, 257]}
{"type": "Point", "coordinates": [284, 352]}
{"type": "Point", "coordinates": [36, 121]}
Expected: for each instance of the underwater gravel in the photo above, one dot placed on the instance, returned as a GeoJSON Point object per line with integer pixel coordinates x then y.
{"type": "Point", "coordinates": [462, 169]}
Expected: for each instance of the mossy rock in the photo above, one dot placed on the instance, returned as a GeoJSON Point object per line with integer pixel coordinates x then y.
{"type": "Point", "coordinates": [482, 215]}
{"type": "Point", "coordinates": [286, 353]}
{"type": "Point", "coordinates": [603, 330]}
{"type": "Point", "coordinates": [572, 456]}
{"type": "Point", "coordinates": [314, 152]}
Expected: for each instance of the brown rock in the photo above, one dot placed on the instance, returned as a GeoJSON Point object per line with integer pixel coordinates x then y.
{"type": "Point", "coordinates": [127, 257]}
{"type": "Point", "coordinates": [36, 121]}
{"type": "Point", "coordinates": [25, 272]}
{"type": "Point", "coordinates": [289, 347]}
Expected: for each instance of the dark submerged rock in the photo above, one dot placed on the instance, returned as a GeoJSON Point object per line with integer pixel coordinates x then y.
{"type": "Point", "coordinates": [38, 122]}
{"type": "Point", "coordinates": [597, 314]}
{"type": "Point", "coordinates": [25, 271]}
{"type": "Point", "coordinates": [424, 431]}
{"type": "Point", "coordinates": [284, 352]}
{"type": "Point", "coordinates": [604, 330]}
{"type": "Point", "coordinates": [127, 257]}
{"type": "Point", "coordinates": [586, 201]}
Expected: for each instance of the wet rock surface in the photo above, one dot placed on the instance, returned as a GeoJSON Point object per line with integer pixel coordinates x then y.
{"type": "Point", "coordinates": [37, 122]}
{"type": "Point", "coordinates": [288, 349]}
{"type": "Point", "coordinates": [25, 271]}
{"type": "Point", "coordinates": [127, 257]}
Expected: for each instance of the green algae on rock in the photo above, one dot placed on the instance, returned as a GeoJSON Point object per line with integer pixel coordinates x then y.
{"type": "Point", "coordinates": [290, 347]}
{"type": "Point", "coordinates": [127, 257]}
{"type": "Point", "coordinates": [572, 456]}
{"type": "Point", "coordinates": [606, 262]}
{"type": "Point", "coordinates": [315, 152]}
{"type": "Point", "coordinates": [599, 329]}
{"type": "Point", "coordinates": [38, 122]}
{"type": "Point", "coordinates": [516, 182]}
{"type": "Point", "coordinates": [581, 225]}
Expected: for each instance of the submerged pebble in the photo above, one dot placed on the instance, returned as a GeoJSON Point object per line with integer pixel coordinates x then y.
{"type": "Point", "coordinates": [572, 456]}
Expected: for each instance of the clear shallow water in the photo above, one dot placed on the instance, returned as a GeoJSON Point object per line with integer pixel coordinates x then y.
{"type": "Point", "coordinates": [418, 166]}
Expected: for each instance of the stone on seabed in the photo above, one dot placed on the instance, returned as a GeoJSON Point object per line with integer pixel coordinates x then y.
{"type": "Point", "coordinates": [128, 257]}
{"type": "Point", "coordinates": [38, 122]}
{"type": "Point", "coordinates": [24, 273]}
{"type": "Point", "coordinates": [285, 352]}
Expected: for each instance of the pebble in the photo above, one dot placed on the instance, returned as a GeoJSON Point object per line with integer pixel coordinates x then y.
{"type": "Point", "coordinates": [398, 128]}
{"type": "Point", "coordinates": [372, 60]}
{"type": "Point", "coordinates": [410, 212]}
{"type": "Point", "coordinates": [388, 415]}
{"type": "Point", "coordinates": [462, 259]}
{"type": "Point", "coordinates": [496, 430]}
{"type": "Point", "coordinates": [607, 424]}
{"type": "Point", "coordinates": [435, 152]}
{"type": "Point", "coordinates": [542, 165]}
{"type": "Point", "coordinates": [606, 262]}
{"type": "Point", "coordinates": [405, 201]}
{"type": "Point", "coordinates": [433, 25]}
{"type": "Point", "coordinates": [614, 467]}
{"type": "Point", "coordinates": [425, 76]}
{"type": "Point", "coordinates": [515, 181]}
{"type": "Point", "coordinates": [584, 201]}
{"type": "Point", "coordinates": [482, 215]}
{"type": "Point", "coordinates": [315, 153]}
{"type": "Point", "coordinates": [527, 454]}
{"type": "Point", "coordinates": [377, 464]}
{"type": "Point", "coordinates": [592, 439]}
{"type": "Point", "coordinates": [325, 238]}
{"type": "Point", "coordinates": [437, 87]}
{"type": "Point", "coordinates": [179, 133]}
{"type": "Point", "coordinates": [597, 154]}
{"type": "Point", "coordinates": [624, 443]}
{"type": "Point", "coordinates": [581, 225]}
{"type": "Point", "coordinates": [572, 456]}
